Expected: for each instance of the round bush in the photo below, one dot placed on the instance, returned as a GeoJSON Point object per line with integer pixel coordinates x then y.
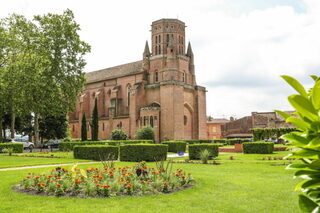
{"type": "Point", "coordinates": [143, 152]}
{"type": "Point", "coordinates": [176, 146]}
{"type": "Point", "coordinates": [145, 133]}
{"type": "Point", "coordinates": [196, 149]}
{"type": "Point", "coordinates": [258, 148]}
{"type": "Point", "coordinates": [16, 147]}
{"type": "Point", "coordinates": [118, 134]}
{"type": "Point", "coordinates": [96, 152]}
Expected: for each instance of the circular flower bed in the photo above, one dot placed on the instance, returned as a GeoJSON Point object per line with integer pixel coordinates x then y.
{"type": "Point", "coordinates": [106, 182]}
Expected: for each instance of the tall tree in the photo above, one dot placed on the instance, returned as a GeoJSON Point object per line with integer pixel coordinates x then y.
{"type": "Point", "coordinates": [95, 122]}
{"type": "Point", "coordinates": [84, 136]}
{"type": "Point", "coordinates": [59, 64]}
{"type": "Point", "coordinates": [53, 127]}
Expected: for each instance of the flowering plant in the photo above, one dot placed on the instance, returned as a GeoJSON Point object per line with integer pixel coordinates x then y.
{"type": "Point", "coordinates": [106, 182]}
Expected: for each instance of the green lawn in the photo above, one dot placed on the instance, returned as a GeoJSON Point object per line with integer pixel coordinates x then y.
{"type": "Point", "coordinates": [246, 184]}
{"type": "Point", "coordinates": [12, 161]}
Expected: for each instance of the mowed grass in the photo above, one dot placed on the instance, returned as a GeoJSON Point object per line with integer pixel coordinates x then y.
{"type": "Point", "coordinates": [13, 161]}
{"type": "Point", "coordinates": [242, 185]}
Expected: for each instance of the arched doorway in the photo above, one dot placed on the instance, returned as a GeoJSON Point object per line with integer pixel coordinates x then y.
{"type": "Point", "coordinates": [188, 121]}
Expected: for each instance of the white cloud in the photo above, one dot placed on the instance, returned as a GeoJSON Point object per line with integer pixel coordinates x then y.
{"type": "Point", "coordinates": [239, 52]}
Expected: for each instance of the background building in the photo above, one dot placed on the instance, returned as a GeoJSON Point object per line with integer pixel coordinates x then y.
{"type": "Point", "coordinates": [214, 127]}
{"type": "Point", "coordinates": [241, 128]}
{"type": "Point", "coordinates": [160, 91]}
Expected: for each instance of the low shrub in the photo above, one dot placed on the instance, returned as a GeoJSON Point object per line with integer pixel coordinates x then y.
{"type": "Point", "coordinates": [96, 152]}
{"type": "Point", "coordinates": [16, 147]}
{"type": "Point", "coordinates": [196, 141]}
{"type": "Point", "coordinates": [143, 152]}
{"type": "Point", "coordinates": [145, 133]}
{"type": "Point", "coordinates": [196, 149]}
{"type": "Point", "coordinates": [176, 146]}
{"type": "Point", "coordinates": [118, 134]}
{"type": "Point", "coordinates": [68, 146]}
{"type": "Point", "coordinates": [204, 156]}
{"type": "Point", "coordinates": [258, 147]}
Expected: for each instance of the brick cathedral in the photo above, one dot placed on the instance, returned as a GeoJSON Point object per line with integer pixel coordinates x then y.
{"type": "Point", "coordinates": [160, 91]}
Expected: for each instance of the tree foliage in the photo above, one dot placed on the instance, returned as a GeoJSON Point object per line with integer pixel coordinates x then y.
{"type": "Point", "coordinates": [41, 66]}
{"type": "Point", "coordinates": [95, 122]}
{"type": "Point", "coordinates": [306, 141]}
{"type": "Point", "coordinates": [84, 136]}
{"type": "Point", "coordinates": [266, 133]}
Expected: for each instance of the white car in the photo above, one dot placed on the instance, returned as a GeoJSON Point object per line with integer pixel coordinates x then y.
{"type": "Point", "coordinates": [26, 144]}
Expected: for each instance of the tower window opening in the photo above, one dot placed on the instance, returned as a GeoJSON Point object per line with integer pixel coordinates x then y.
{"type": "Point", "coordinates": [156, 50]}
{"type": "Point", "coordinates": [183, 77]}
{"type": "Point", "coordinates": [167, 37]}
{"type": "Point", "coordinates": [156, 39]}
{"type": "Point", "coordinates": [102, 126]}
{"type": "Point", "coordinates": [156, 76]}
{"type": "Point", "coordinates": [151, 121]}
{"type": "Point", "coordinates": [159, 39]}
{"type": "Point", "coordinates": [159, 49]}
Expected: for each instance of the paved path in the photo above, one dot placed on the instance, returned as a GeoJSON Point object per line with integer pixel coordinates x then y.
{"type": "Point", "coordinates": [43, 166]}
{"type": "Point", "coordinates": [177, 156]}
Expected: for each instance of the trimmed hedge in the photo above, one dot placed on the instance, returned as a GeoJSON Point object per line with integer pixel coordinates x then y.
{"type": "Point", "coordinates": [195, 149]}
{"type": "Point", "coordinates": [234, 141]}
{"type": "Point", "coordinates": [224, 141]}
{"type": "Point", "coordinates": [68, 146]}
{"type": "Point", "coordinates": [176, 146]}
{"type": "Point", "coordinates": [143, 152]}
{"type": "Point", "coordinates": [258, 147]}
{"type": "Point", "coordinates": [96, 152]}
{"type": "Point", "coordinates": [17, 147]}
{"type": "Point", "coordinates": [195, 141]}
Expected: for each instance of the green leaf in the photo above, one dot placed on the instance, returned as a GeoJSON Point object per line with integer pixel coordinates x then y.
{"type": "Point", "coordinates": [314, 77]}
{"type": "Point", "coordinates": [296, 139]}
{"type": "Point", "coordinates": [298, 123]}
{"type": "Point", "coordinates": [315, 164]}
{"type": "Point", "coordinates": [314, 143]}
{"type": "Point", "coordinates": [307, 172]}
{"type": "Point", "coordinates": [316, 95]}
{"type": "Point", "coordinates": [299, 185]}
{"type": "Point", "coordinates": [309, 184]}
{"type": "Point", "coordinates": [306, 204]}
{"type": "Point", "coordinates": [303, 106]}
{"type": "Point", "coordinates": [295, 84]}
{"type": "Point", "coordinates": [283, 114]}
{"type": "Point", "coordinates": [297, 166]}
{"type": "Point", "coordinates": [305, 153]}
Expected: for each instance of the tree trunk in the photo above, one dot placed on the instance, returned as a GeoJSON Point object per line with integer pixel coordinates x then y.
{"type": "Point", "coordinates": [36, 128]}
{"type": "Point", "coordinates": [13, 119]}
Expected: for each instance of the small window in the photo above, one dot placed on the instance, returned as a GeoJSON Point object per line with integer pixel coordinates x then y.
{"type": "Point", "coordinates": [144, 120]}
{"type": "Point", "coordinates": [102, 126]}
{"type": "Point", "coordinates": [159, 39]}
{"type": "Point", "coordinates": [167, 37]}
{"type": "Point", "coordinates": [156, 39]}
{"type": "Point", "coordinates": [185, 120]}
{"type": "Point", "coordinates": [159, 49]}
{"type": "Point", "coordinates": [183, 77]}
{"type": "Point", "coordinates": [72, 128]}
{"type": "Point", "coordinates": [151, 121]}
{"type": "Point", "coordinates": [156, 76]}
{"type": "Point", "coordinates": [156, 50]}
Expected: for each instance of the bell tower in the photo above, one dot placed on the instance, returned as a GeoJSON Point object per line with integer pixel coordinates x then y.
{"type": "Point", "coordinates": [165, 31]}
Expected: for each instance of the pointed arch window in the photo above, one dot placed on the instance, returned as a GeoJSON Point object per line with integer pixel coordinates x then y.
{"type": "Point", "coordinates": [151, 121]}
{"type": "Point", "coordinates": [128, 95]}
{"type": "Point", "coordinates": [156, 76]}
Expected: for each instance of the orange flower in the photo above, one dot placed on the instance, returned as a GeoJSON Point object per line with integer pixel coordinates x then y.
{"type": "Point", "coordinates": [58, 185]}
{"type": "Point", "coordinates": [129, 186]}
{"type": "Point", "coordinates": [28, 177]}
{"type": "Point", "coordinates": [77, 181]}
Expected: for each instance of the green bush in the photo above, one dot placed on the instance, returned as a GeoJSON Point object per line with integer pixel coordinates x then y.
{"type": "Point", "coordinates": [196, 149]}
{"type": "Point", "coordinates": [118, 134]}
{"type": "Point", "coordinates": [145, 133]}
{"type": "Point", "coordinates": [196, 141]}
{"type": "Point", "coordinates": [96, 152]}
{"type": "Point", "coordinates": [17, 147]}
{"type": "Point", "coordinates": [234, 141]}
{"type": "Point", "coordinates": [143, 152]}
{"type": "Point", "coordinates": [258, 147]}
{"type": "Point", "coordinates": [68, 146]}
{"type": "Point", "coordinates": [176, 146]}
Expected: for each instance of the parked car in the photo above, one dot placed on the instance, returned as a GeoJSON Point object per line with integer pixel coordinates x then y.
{"type": "Point", "coordinates": [51, 144]}
{"type": "Point", "coordinates": [26, 144]}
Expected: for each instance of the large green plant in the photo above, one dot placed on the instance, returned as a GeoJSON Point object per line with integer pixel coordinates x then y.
{"type": "Point", "coordinates": [145, 133]}
{"type": "Point", "coordinates": [95, 122]}
{"type": "Point", "coordinates": [306, 141]}
{"type": "Point", "coordinates": [118, 134]}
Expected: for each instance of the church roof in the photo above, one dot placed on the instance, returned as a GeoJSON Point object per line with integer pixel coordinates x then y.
{"type": "Point", "coordinates": [114, 72]}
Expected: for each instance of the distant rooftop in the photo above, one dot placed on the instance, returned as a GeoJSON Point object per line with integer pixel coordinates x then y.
{"type": "Point", "coordinates": [114, 72]}
{"type": "Point", "coordinates": [218, 121]}
{"type": "Point", "coordinates": [169, 20]}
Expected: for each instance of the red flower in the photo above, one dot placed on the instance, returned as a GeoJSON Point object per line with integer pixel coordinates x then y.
{"type": "Point", "coordinates": [77, 181]}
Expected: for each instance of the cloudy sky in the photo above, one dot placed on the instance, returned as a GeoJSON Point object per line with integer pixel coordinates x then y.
{"type": "Point", "coordinates": [241, 46]}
